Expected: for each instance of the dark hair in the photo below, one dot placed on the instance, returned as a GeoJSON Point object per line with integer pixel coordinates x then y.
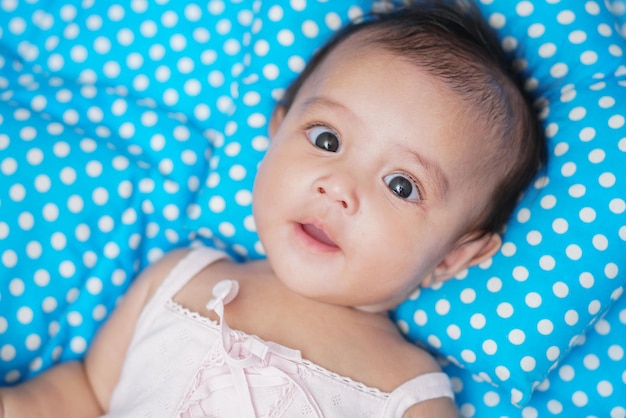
{"type": "Point", "coordinates": [455, 44]}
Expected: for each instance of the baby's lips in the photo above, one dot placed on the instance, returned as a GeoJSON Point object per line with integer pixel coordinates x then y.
{"type": "Point", "coordinates": [318, 234]}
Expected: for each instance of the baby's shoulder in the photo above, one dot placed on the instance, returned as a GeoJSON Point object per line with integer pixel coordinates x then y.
{"type": "Point", "coordinates": [409, 366]}
{"type": "Point", "coordinates": [400, 360]}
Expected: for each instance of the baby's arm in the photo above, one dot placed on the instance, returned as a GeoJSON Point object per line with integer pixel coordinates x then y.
{"type": "Point", "coordinates": [82, 390]}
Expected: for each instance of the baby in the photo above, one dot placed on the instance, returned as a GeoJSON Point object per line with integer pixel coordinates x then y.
{"type": "Point", "coordinates": [395, 159]}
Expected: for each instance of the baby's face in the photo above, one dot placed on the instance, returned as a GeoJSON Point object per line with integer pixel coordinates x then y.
{"type": "Point", "coordinates": [371, 179]}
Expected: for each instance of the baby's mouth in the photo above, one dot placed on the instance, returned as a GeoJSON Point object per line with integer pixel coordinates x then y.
{"type": "Point", "coordinates": [318, 235]}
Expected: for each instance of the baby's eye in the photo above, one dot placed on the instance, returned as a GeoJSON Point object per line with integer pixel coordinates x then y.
{"type": "Point", "coordinates": [323, 138]}
{"type": "Point", "coordinates": [403, 187]}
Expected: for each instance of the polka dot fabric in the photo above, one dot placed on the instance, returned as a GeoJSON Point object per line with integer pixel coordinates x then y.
{"type": "Point", "coordinates": [562, 266]}
{"type": "Point", "coordinates": [129, 128]}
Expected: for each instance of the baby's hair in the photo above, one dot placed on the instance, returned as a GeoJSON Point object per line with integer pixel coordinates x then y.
{"type": "Point", "coordinates": [452, 42]}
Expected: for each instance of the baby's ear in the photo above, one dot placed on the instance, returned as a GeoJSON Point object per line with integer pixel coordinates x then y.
{"type": "Point", "coordinates": [277, 118]}
{"type": "Point", "coordinates": [470, 250]}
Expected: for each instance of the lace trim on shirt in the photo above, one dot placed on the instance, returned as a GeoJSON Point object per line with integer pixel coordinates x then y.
{"type": "Point", "coordinates": [178, 308]}
{"type": "Point", "coordinates": [345, 379]}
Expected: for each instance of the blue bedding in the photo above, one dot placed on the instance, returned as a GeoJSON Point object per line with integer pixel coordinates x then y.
{"type": "Point", "coordinates": [131, 128]}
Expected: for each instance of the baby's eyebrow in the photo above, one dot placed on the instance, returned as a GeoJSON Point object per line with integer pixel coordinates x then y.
{"type": "Point", "coordinates": [324, 102]}
{"type": "Point", "coordinates": [434, 172]}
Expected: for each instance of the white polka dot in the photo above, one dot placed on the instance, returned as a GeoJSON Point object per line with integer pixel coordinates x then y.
{"type": "Point", "coordinates": [270, 71]}
{"type": "Point", "coordinates": [505, 310]}
{"type": "Point", "coordinates": [243, 198]}
{"type": "Point", "coordinates": [536, 30]}
{"type": "Point", "coordinates": [111, 250]}
{"type": "Point", "coordinates": [594, 307]}
{"type": "Point", "coordinates": [478, 321]}
{"type": "Point", "coordinates": [33, 342]}
{"type": "Point", "coordinates": [503, 373]}
{"type": "Point", "coordinates": [285, 37]}
{"type": "Point", "coordinates": [534, 238]}
{"type": "Point", "coordinates": [232, 47]}
{"type": "Point", "coordinates": [7, 352]}
{"type": "Point", "coordinates": [226, 229]}
{"type": "Point", "coordinates": [50, 212]}
{"type": "Point", "coordinates": [17, 192]}
{"type": "Point", "coordinates": [616, 50]}
{"type": "Point", "coordinates": [545, 327]}
{"type": "Point", "coordinates": [566, 17]}
{"type": "Point", "coordinates": [171, 212]}
{"type": "Point", "coordinates": [468, 295]}
{"type": "Point", "coordinates": [26, 221]}
{"type": "Point", "coordinates": [257, 120]}
{"type": "Point", "coordinates": [528, 363]}
{"type": "Point", "coordinates": [607, 180]}
{"type": "Point", "coordinates": [555, 407]}
{"type": "Point", "coordinates": [547, 263]}
{"type": "Point", "coordinates": [548, 202]}
{"type": "Point", "coordinates": [553, 353]}
{"type": "Point", "coordinates": [533, 300]}
{"type": "Point", "coordinates": [58, 241]}
{"type": "Point", "coordinates": [453, 331]}
{"type": "Point", "coordinates": [217, 204]}
{"type": "Point", "coordinates": [310, 29]}
{"type": "Point", "coordinates": [568, 169]}
{"type": "Point", "coordinates": [591, 362]}
{"type": "Point", "coordinates": [67, 269]}
{"type": "Point", "coordinates": [560, 70]}
{"type": "Point", "coordinates": [611, 270]}
{"type": "Point", "coordinates": [604, 388]}
{"type": "Point", "coordinates": [587, 215]}
{"type": "Point", "coordinates": [580, 398]}
{"type": "Point", "coordinates": [589, 57]}
{"type": "Point", "coordinates": [100, 196]}
{"type": "Point", "coordinates": [41, 278]}
{"type": "Point", "coordinates": [602, 327]}
{"type": "Point", "coordinates": [561, 149]}
{"type": "Point", "coordinates": [497, 20]}
{"type": "Point", "coordinates": [571, 317]}
{"type": "Point", "coordinates": [296, 63]}
{"type": "Point", "coordinates": [34, 250]}
{"type": "Point", "coordinates": [237, 172]}
{"type": "Point", "coordinates": [508, 249]}
{"type": "Point", "coordinates": [616, 352]}
{"type": "Point", "coordinates": [78, 345]}
{"type": "Point", "coordinates": [616, 121]}
{"type": "Point", "coordinates": [494, 284]}
{"type": "Point", "coordinates": [468, 356]}
{"type": "Point", "coordinates": [566, 373]}
{"type": "Point", "coordinates": [523, 215]}
{"type": "Point", "coordinates": [442, 307]}
{"type": "Point", "coordinates": [82, 232]}
{"type": "Point", "coordinates": [586, 280]}
{"type": "Point", "coordinates": [560, 226]}
{"type": "Point", "coordinates": [573, 252]}
{"type": "Point", "coordinates": [606, 102]}
{"type": "Point", "coordinates": [577, 37]}
{"type": "Point", "coordinates": [93, 168]}
{"type": "Point", "coordinates": [8, 166]}
{"type": "Point", "coordinates": [25, 315]}
{"type": "Point", "coordinates": [560, 289]}
{"type": "Point", "coordinates": [490, 347]}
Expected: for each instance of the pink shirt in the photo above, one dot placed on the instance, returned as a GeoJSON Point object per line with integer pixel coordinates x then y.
{"type": "Point", "coordinates": [181, 364]}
